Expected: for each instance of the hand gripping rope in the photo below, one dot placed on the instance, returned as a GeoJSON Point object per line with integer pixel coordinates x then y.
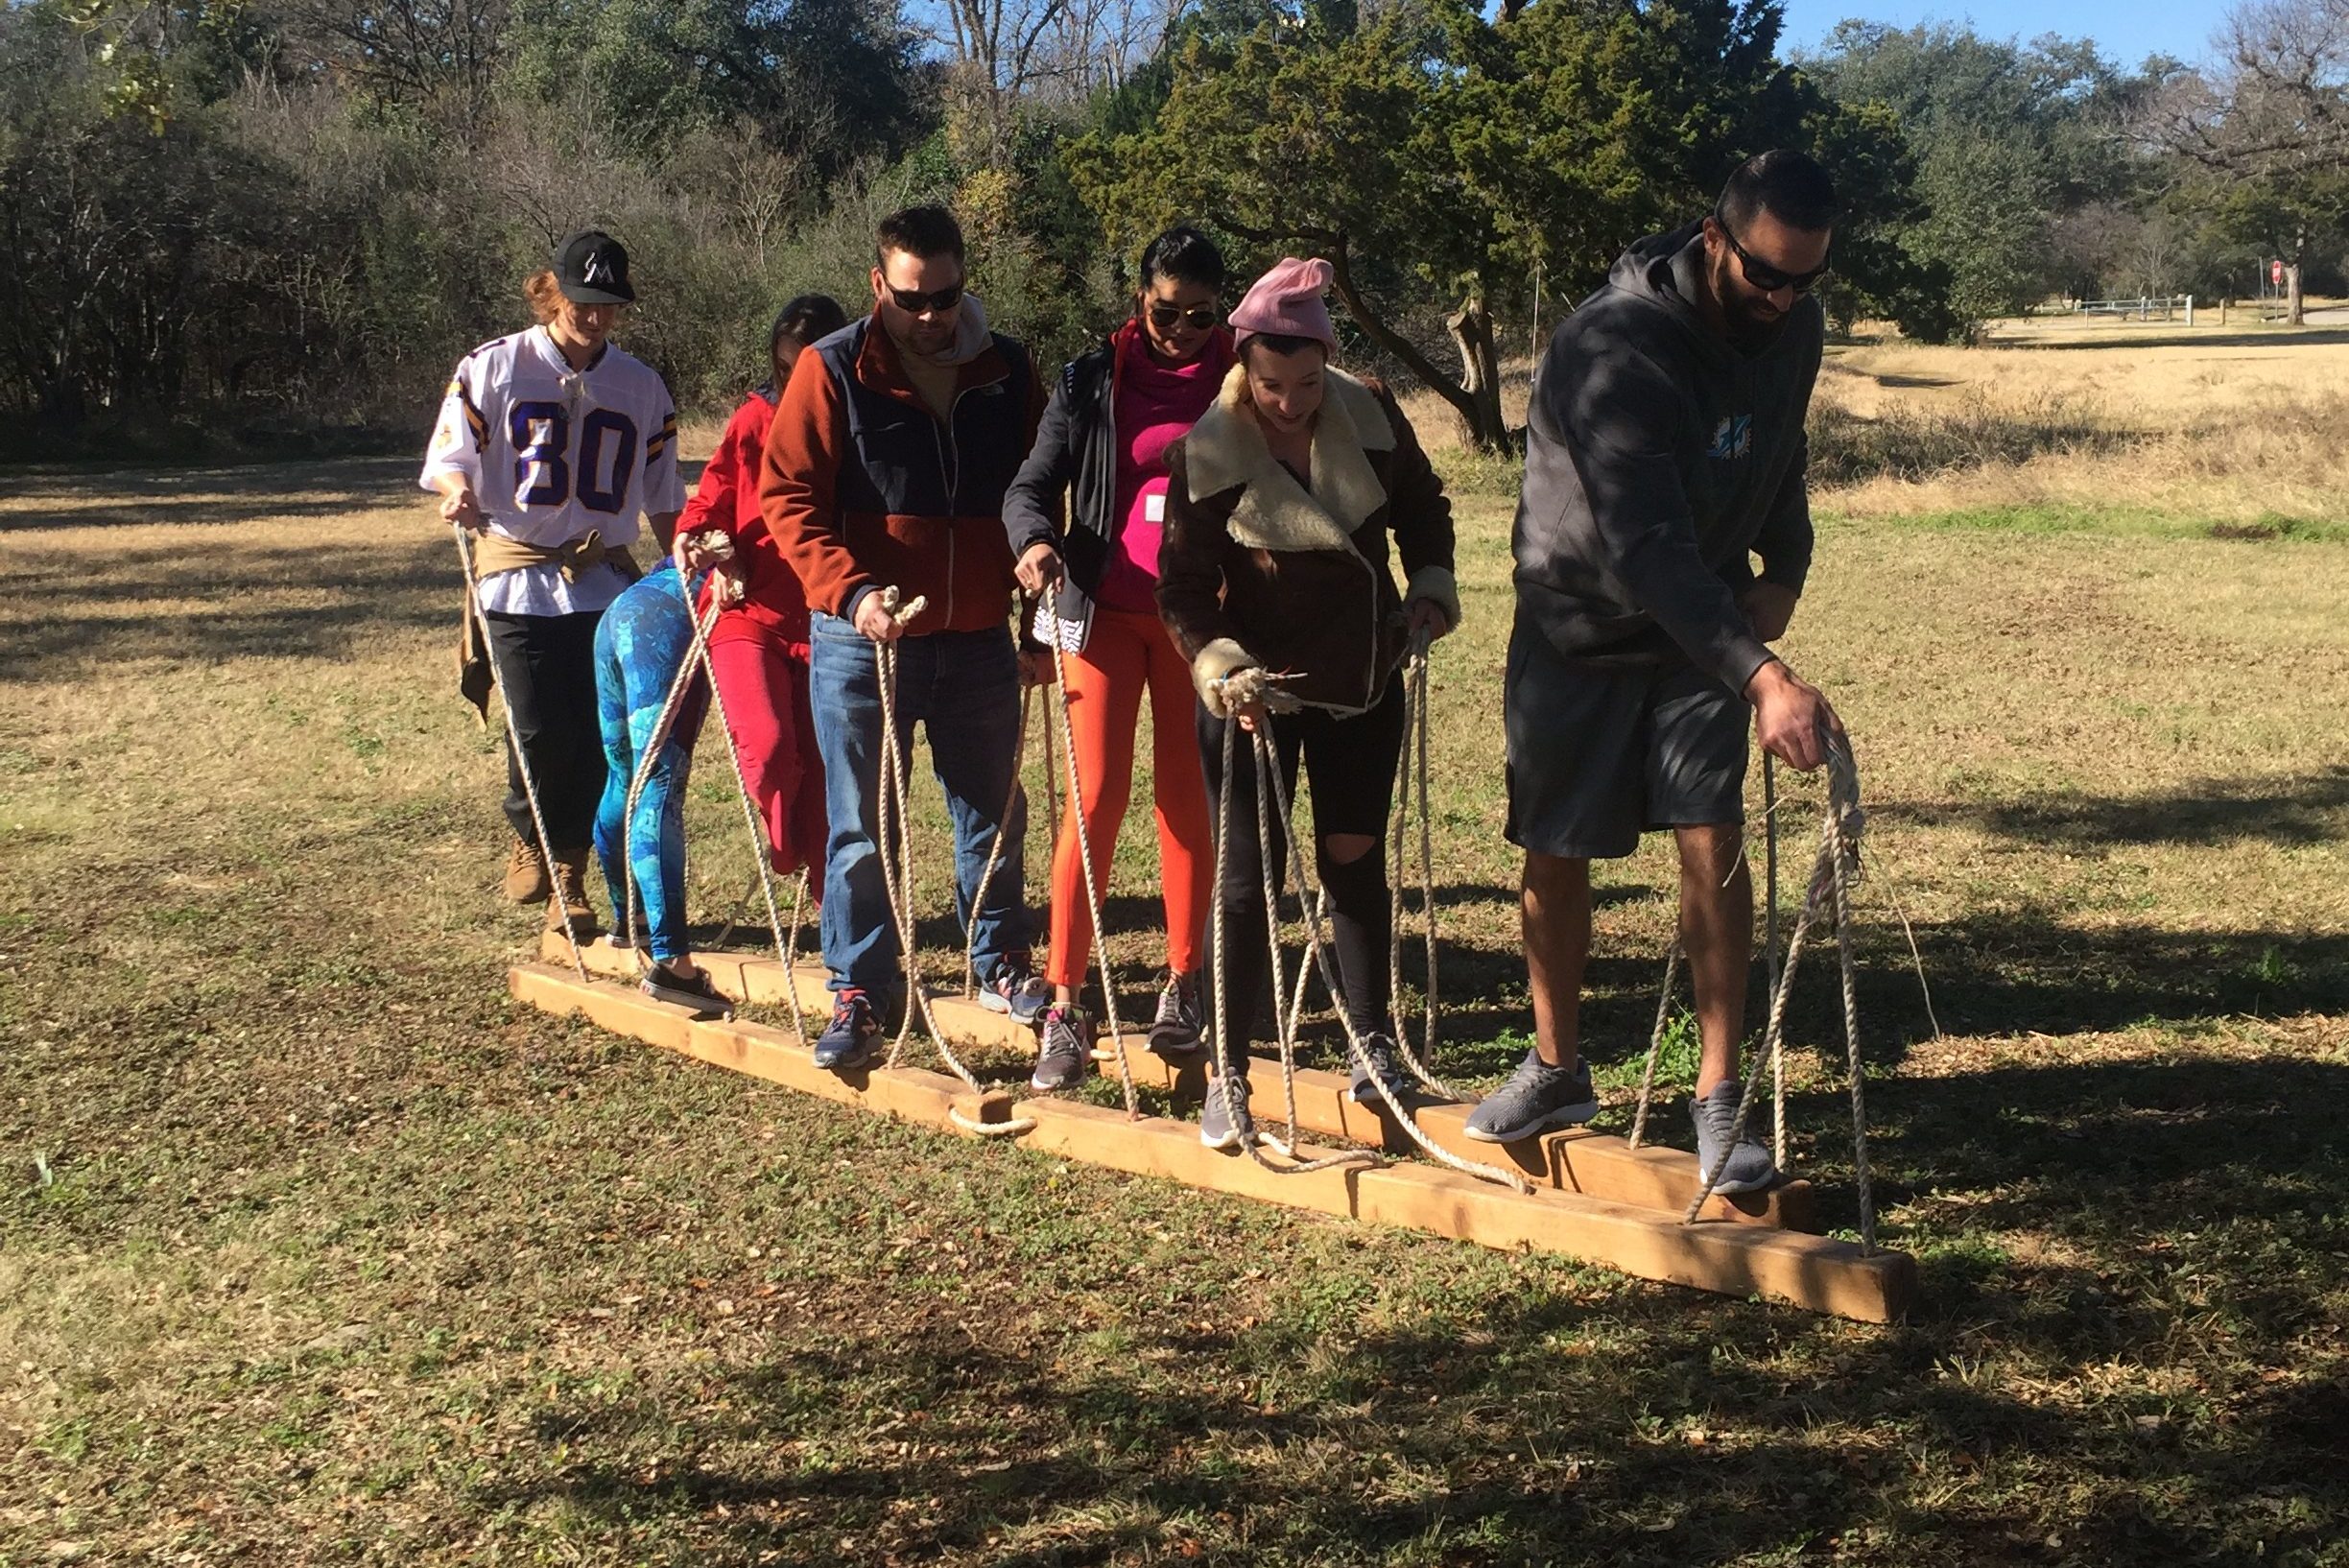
{"type": "Point", "coordinates": [1240, 688]}
{"type": "Point", "coordinates": [513, 739]}
{"type": "Point", "coordinates": [1835, 869]}
{"type": "Point", "coordinates": [894, 841]}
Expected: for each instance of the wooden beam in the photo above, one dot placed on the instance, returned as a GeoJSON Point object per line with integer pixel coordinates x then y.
{"type": "Point", "coordinates": [1811, 1272]}
{"type": "Point", "coordinates": [1598, 1164]}
{"type": "Point", "coordinates": [758, 1050]}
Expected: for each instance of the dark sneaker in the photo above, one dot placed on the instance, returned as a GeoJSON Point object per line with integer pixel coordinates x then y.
{"type": "Point", "coordinates": [852, 1037]}
{"type": "Point", "coordinates": [1224, 1122]}
{"type": "Point", "coordinates": [663, 984]}
{"type": "Point", "coordinates": [1016, 991]}
{"type": "Point", "coordinates": [1388, 1065]}
{"type": "Point", "coordinates": [1066, 1053]}
{"type": "Point", "coordinates": [1182, 1018]}
{"type": "Point", "coordinates": [1536, 1098]}
{"type": "Point", "coordinates": [1746, 1165]}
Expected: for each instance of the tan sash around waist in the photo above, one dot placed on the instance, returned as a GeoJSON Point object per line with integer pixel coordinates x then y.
{"type": "Point", "coordinates": [494, 554]}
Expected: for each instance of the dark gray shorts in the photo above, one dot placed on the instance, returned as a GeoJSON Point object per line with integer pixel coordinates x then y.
{"type": "Point", "coordinates": [1600, 754]}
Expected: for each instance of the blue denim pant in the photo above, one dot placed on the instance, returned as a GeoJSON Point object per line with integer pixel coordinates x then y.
{"type": "Point", "coordinates": [963, 688]}
{"type": "Point", "coordinates": [640, 645]}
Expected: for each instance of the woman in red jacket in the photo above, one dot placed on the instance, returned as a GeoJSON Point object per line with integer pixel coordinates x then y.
{"type": "Point", "coordinates": [759, 648]}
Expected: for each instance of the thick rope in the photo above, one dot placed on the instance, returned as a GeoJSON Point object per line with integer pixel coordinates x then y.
{"type": "Point", "coordinates": [787, 950]}
{"type": "Point", "coordinates": [1415, 756]}
{"type": "Point", "coordinates": [1092, 887]}
{"type": "Point", "coordinates": [1838, 863]}
{"type": "Point", "coordinates": [897, 878]}
{"type": "Point", "coordinates": [1655, 1047]}
{"type": "Point", "coordinates": [986, 876]}
{"type": "Point", "coordinates": [1769, 954]}
{"type": "Point", "coordinates": [1226, 1083]}
{"type": "Point", "coordinates": [664, 723]}
{"type": "Point", "coordinates": [1327, 969]}
{"type": "Point", "coordinates": [513, 739]}
{"type": "Point", "coordinates": [1286, 1038]}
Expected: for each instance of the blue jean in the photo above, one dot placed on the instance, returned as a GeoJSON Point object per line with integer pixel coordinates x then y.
{"type": "Point", "coordinates": [963, 688]}
{"type": "Point", "coordinates": [640, 646]}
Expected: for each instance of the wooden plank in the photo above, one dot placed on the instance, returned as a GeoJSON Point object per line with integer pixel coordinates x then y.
{"type": "Point", "coordinates": [746, 977]}
{"type": "Point", "coordinates": [759, 1051]}
{"type": "Point", "coordinates": [1811, 1272]}
{"type": "Point", "coordinates": [1816, 1272]}
{"type": "Point", "coordinates": [1598, 1164]}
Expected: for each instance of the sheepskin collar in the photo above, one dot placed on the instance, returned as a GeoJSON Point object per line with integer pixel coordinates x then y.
{"type": "Point", "coordinates": [1227, 447]}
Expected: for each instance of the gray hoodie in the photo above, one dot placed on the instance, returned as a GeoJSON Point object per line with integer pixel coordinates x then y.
{"type": "Point", "coordinates": [1656, 458]}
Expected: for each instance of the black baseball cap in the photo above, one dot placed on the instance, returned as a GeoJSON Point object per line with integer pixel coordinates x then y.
{"type": "Point", "coordinates": [591, 269]}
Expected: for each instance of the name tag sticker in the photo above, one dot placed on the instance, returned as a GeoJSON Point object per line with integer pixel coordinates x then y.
{"type": "Point", "coordinates": [1153, 507]}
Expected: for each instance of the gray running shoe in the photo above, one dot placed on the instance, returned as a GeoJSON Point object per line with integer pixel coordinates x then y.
{"type": "Point", "coordinates": [1536, 1098]}
{"type": "Point", "coordinates": [1387, 1063]}
{"type": "Point", "coordinates": [663, 984]}
{"type": "Point", "coordinates": [1017, 990]}
{"type": "Point", "coordinates": [1182, 1017]}
{"type": "Point", "coordinates": [1218, 1128]}
{"type": "Point", "coordinates": [1748, 1168]}
{"type": "Point", "coordinates": [1065, 1051]}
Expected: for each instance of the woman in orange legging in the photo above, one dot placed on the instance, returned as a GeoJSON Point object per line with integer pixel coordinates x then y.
{"type": "Point", "coordinates": [1085, 517]}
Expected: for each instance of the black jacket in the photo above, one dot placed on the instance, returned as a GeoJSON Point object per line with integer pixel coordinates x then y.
{"type": "Point", "coordinates": [1075, 457]}
{"type": "Point", "coordinates": [1657, 458]}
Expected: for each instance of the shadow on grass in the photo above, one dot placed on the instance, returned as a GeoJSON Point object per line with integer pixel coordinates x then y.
{"type": "Point", "coordinates": [2288, 812]}
{"type": "Point", "coordinates": [1514, 1420]}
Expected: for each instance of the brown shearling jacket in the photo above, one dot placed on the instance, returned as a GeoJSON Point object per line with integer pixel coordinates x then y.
{"type": "Point", "coordinates": [1258, 569]}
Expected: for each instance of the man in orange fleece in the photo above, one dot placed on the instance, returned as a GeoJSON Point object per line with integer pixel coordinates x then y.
{"type": "Point", "coordinates": [886, 466]}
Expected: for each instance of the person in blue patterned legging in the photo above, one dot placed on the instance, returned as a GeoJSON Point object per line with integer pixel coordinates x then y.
{"type": "Point", "coordinates": [640, 645]}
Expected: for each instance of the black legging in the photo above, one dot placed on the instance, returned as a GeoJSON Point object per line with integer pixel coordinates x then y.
{"type": "Point", "coordinates": [547, 665]}
{"type": "Point", "coordinates": [1350, 762]}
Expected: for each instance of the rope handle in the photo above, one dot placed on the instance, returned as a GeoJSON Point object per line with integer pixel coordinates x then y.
{"type": "Point", "coordinates": [513, 740]}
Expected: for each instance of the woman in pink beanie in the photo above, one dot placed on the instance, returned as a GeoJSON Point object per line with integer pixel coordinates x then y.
{"type": "Point", "coordinates": [1280, 502]}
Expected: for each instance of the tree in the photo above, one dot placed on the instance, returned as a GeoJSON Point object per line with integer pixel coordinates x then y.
{"type": "Point", "coordinates": [2266, 133]}
{"type": "Point", "coordinates": [1428, 152]}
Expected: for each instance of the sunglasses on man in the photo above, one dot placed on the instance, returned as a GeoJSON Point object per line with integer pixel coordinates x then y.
{"type": "Point", "coordinates": [1762, 274]}
{"type": "Point", "coordinates": [1197, 318]}
{"type": "Point", "coordinates": [915, 302]}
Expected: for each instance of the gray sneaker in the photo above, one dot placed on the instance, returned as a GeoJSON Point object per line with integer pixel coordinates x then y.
{"type": "Point", "coordinates": [1181, 1020]}
{"type": "Point", "coordinates": [1748, 1168]}
{"type": "Point", "coordinates": [1388, 1065]}
{"type": "Point", "coordinates": [1536, 1098]}
{"type": "Point", "coordinates": [1065, 1053]}
{"type": "Point", "coordinates": [1220, 1127]}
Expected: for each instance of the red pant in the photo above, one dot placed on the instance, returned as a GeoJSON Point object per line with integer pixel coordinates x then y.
{"type": "Point", "coordinates": [764, 681]}
{"type": "Point", "coordinates": [1127, 652]}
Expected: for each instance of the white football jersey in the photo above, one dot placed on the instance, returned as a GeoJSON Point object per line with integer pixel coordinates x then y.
{"type": "Point", "coordinates": [554, 454]}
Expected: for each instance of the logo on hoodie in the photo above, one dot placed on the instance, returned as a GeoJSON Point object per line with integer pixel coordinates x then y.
{"type": "Point", "coordinates": [1733, 436]}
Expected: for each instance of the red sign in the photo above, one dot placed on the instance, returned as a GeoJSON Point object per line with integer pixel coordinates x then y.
{"type": "Point", "coordinates": [2275, 273]}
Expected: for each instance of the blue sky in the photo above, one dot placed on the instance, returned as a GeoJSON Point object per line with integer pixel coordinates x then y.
{"type": "Point", "coordinates": [2126, 30]}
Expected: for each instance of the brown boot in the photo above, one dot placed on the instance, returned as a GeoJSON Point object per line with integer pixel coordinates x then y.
{"type": "Point", "coordinates": [570, 894]}
{"type": "Point", "coordinates": [526, 875]}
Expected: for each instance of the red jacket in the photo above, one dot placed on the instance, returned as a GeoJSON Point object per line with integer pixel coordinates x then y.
{"type": "Point", "coordinates": [862, 486]}
{"type": "Point", "coordinates": [728, 499]}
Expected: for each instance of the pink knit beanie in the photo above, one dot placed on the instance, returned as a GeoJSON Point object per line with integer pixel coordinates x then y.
{"type": "Point", "coordinates": [1287, 301]}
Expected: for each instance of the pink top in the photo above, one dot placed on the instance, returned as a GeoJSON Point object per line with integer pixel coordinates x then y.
{"type": "Point", "coordinates": [1151, 405]}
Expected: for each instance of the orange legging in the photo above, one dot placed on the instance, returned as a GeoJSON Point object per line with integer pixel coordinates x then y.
{"type": "Point", "coordinates": [1126, 652]}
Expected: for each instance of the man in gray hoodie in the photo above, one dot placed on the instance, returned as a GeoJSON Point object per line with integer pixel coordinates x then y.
{"type": "Point", "coordinates": [1665, 448]}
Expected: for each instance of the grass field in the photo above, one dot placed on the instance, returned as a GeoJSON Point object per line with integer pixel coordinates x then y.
{"type": "Point", "coordinates": [315, 1249]}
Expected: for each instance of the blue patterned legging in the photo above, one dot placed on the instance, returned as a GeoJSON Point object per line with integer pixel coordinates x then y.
{"type": "Point", "coordinates": [640, 646]}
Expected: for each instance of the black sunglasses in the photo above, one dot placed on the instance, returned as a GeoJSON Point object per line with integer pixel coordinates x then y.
{"type": "Point", "coordinates": [914, 302]}
{"type": "Point", "coordinates": [1765, 277]}
{"type": "Point", "coordinates": [1200, 317]}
